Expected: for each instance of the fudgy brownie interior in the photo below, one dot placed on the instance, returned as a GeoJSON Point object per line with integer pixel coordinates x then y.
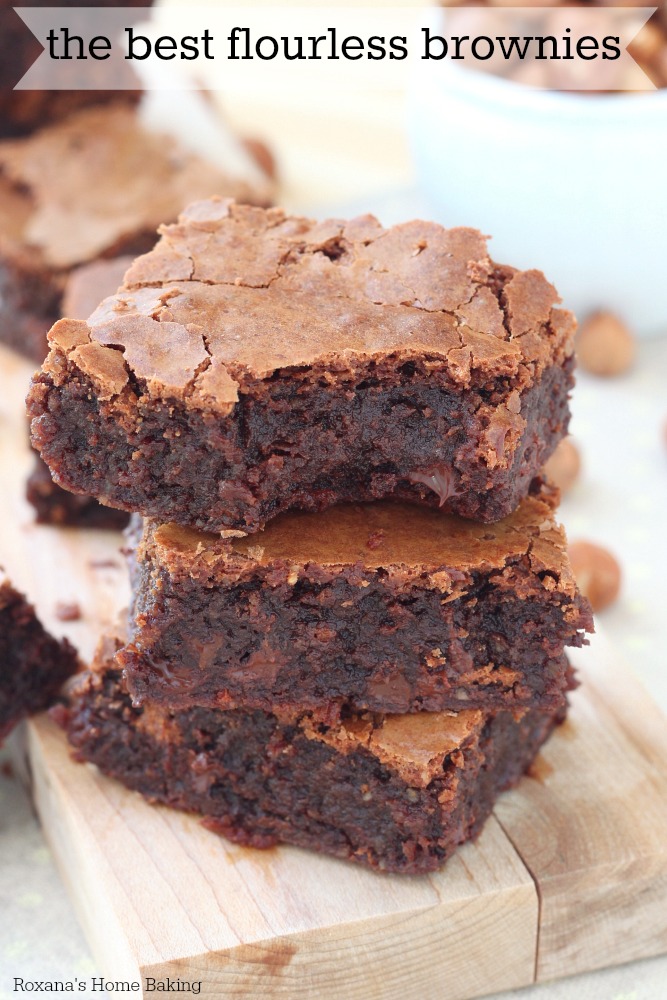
{"type": "Point", "coordinates": [396, 793]}
{"type": "Point", "coordinates": [85, 286]}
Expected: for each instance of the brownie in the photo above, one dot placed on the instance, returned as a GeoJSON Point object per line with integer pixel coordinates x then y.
{"type": "Point", "coordinates": [255, 362]}
{"type": "Point", "coordinates": [95, 185]}
{"type": "Point", "coordinates": [386, 607]}
{"type": "Point", "coordinates": [86, 285]}
{"type": "Point", "coordinates": [647, 46]}
{"type": "Point", "coordinates": [23, 111]}
{"type": "Point", "coordinates": [398, 793]}
{"type": "Point", "coordinates": [33, 665]}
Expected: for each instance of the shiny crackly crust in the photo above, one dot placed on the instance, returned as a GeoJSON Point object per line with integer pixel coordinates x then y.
{"type": "Point", "coordinates": [226, 280]}
{"type": "Point", "coordinates": [405, 541]}
{"type": "Point", "coordinates": [58, 219]}
{"type": "Point", "coordinates": [52, 220]}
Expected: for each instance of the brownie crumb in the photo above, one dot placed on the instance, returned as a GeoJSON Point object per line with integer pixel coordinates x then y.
{"type": "Point", "coordinates": [384, 607]}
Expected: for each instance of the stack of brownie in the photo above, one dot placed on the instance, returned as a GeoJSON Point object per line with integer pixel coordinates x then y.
{"type": "Point", "coordinates": [351, 599]}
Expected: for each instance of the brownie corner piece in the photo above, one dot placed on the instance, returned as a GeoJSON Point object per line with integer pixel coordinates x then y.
{"type": "Point", "coordinates": [255, 362]}
{"type": "Point", "coordinates": [396, 793]}
{"type": "Point", "coordinates": [33, 665]}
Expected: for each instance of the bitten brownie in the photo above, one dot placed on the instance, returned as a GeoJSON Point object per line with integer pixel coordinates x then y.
{"type": "Point", "coordinates": [86, 285]}
{"type": "Point", "coordinates": [255, 362]}
{"type": "Point", "coordinates": [33, 665]}
{"type": "Point", "coordinates": [114, 184]}
{"type": "Point", "coordinates": [385, 606]}
{"type": "Point", "coordinates": [398, 793]}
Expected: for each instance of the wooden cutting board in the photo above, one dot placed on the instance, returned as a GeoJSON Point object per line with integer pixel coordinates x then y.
{"type": "Point", "coordinates": [569, 874]}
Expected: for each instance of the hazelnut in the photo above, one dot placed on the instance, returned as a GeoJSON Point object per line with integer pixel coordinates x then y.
{"type": "Point", "coordinates": [564, 465]}
{"type": "Point", "coordinates": [604, 345]}
{"type": "Point", "coordinates": [597, 572]}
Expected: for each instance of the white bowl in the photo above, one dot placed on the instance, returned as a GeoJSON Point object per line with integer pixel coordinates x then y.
{"type": "Point", "coordinates": [574, 184]}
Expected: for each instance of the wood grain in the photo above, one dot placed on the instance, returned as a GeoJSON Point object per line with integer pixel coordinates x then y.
{"type": "Point", "coordinates": [160, 896]}
{"type": "Point", "coordinates": [592, 827]}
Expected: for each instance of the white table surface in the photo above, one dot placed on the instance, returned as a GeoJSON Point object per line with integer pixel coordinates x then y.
{"type": "Point", "coordinates": [339, 160]}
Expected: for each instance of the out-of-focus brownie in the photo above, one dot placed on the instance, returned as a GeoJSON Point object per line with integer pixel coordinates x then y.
{"type": "Point", "coordinates": [398, 793]}
{"type": "Point", "coordinates": [33, 665]}
{"type": "Point", "coordinates": [24, 111]}
{"type": "Point", "coordinates": [56, 506]}
{"type": "Point", "coordinates": [86, 285]}
{"type": "Point", "coordinates": [95, 185]}
{"type": "Point", "coordinates": [384, 606]}
{"type": "Point", "coordinates": [255, 362]}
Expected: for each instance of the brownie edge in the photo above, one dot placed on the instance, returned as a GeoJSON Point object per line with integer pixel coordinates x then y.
{"type": "Point", "coordinates": [85, 286]}
{"type": "Point", "coordinates": [382, 607]}
{"type": "Point", "coordinates": [396, 793]}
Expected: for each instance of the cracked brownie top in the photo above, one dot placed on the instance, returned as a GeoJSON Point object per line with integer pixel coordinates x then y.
{"type": "Point", "coordinates": [232, 294]}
